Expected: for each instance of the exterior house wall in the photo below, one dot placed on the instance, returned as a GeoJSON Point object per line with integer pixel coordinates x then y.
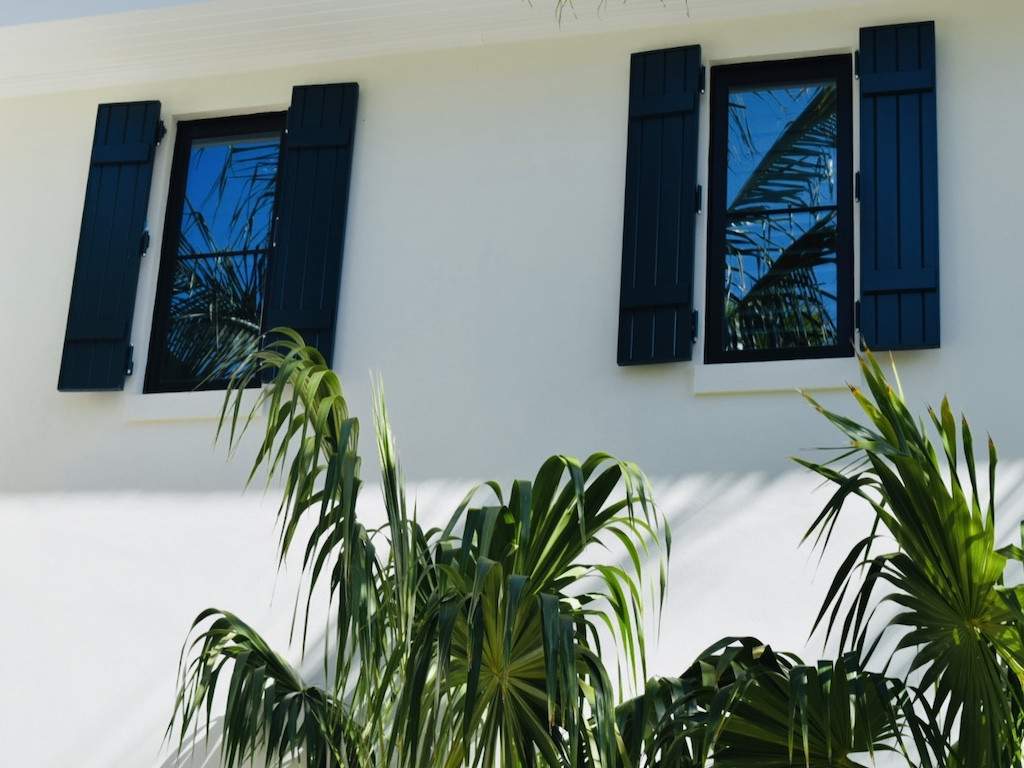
{"type": "Point", "coordinates": [481, 281]}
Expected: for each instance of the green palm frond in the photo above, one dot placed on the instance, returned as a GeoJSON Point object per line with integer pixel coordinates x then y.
{"type": "Point", "coordinates": [520, 615]}
{"type": "Point", "coordinates": [741, 705]}
{"type": "Point", "coordinates": [940, 571]}
{"type": "Point", "coordinates": [267, 709]}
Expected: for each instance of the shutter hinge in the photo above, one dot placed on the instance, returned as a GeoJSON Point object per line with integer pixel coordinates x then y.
{"type": "Point", "coordinates": [144, 243]}
{"type": "Point", "coordinates": [856, 315]}
{"type": "Point", "coordinates": [856, 186]}
{"type": "Point", "coordinates": [161, 131]}
{"type": "Point", "coordinates": [694, 316]}
{"type": "Point", "coordinates": [129, 363]}
{"type": "Point", "coordinates": [700, 199]}
{"type": "Point", "coordinates": [703, 79]}
{"type": "Point", "coordinates": [856, 65]}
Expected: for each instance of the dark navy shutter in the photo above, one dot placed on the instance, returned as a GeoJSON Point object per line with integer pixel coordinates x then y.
{"type": "Point", "coordinates": [656, 295]}
{"type": "Point", "coordinates": [305, 268]}
{"type": "Point", "coordinates": [899, 225]}
{"type": "Point", "coordinates": [97, 353]}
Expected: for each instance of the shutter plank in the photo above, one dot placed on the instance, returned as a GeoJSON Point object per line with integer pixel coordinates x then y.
{"type": "Point", "coordinates": [305, 270]}
{"type": "Point", "coordinates": [656, 293]}
{"type": "Point", "coordinates": [899, 198]}
{"type": "Point", "coordinates": [103, 291]}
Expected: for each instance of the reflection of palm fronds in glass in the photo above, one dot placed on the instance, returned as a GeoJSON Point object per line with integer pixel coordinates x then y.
{"type": "Point", "coordinates": [775, 295]}
{"type": "Point", "coordinates": [790, 172]}
{"type": "Point", "coordinates": [217, 294]}
{"type": "Point", "coordinates": [251, 169]}
{"type": "Point", "coordinates": [787, 305]}
{"type": "Point", "coordinates": [216, 303]}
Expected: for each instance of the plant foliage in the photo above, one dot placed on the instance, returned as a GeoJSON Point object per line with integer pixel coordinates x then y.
{"type": "Point", "coordinates": [478, 643]}
{"type": "Point", "coordinates": [931, 557]}
{"type": "Point", "coordinates": [742, 705]}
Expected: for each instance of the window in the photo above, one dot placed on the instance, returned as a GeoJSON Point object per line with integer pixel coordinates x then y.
{"type": "Point", "coordinates": [780, 237]}
{"type": "Point", "coordinates": [216, 246]}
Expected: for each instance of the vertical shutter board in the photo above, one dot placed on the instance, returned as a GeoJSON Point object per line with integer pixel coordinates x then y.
{"type": "Point", "coordinates": [660, 204]}
{"type": "Point", "coordinates": [899, 197]}
{"type": "Point", "coordinates": [643, 340]}
{"type": "Point", "coordinates": [305, 272]}
{"type": "Point", "coordinates": [648, 204]}
{"type": "Point", "coordinates": [107, 265]}
{"type": "Point", "coordinates": [298, 183]}
{"type": "Point", "coordinates": [669, 207]}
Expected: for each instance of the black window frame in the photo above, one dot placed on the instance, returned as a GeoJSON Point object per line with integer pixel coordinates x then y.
{"type": "Point", "coordinates": [187, 132]}
{"type": "Point", "coordinates": [766, 73]}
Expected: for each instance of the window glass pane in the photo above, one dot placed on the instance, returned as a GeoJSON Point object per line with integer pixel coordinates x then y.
{"type": "Point", "coordinates": [782, 146]}
{"type": "Point", "coordinates": [229, 194]}
{"type": "Point", "coordinates": [216, 305]}
{"type": "Point", "coordinates": [781, 281]}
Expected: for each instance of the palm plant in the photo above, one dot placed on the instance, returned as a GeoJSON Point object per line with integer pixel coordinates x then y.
{"type": "Point", "coordinates": [475, 644]}
{"type": "Point", "coordinates": [957, 629]}
{"type": "Point", "coordinates": [955, 618]}
{"type": "Point", "coordinates": [480, 643]}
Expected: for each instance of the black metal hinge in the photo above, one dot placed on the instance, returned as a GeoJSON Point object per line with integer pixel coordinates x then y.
{"type": "Point", "coordinates": [144, 243]}
{"type": "Point", "coordinates": [856, 315]}
{"type": "Point", "coordinates": [856, 186]}
{"type": "Point", "coordinates": [703, 79]}
{"type": "Point", "coordinates": [694, 316]}
{"type": "Point", "coordinates": [700, 199]}
{"type": "Point", "coordinates": [161, 131]}
{"type": "Point", "coordinates": [856, 65]}
{"type": "Point", "coordinates": [129, 363]}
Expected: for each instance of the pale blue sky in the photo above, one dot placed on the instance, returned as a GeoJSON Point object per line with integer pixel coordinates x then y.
{"type": "Point", "coordinates": [22, 12]}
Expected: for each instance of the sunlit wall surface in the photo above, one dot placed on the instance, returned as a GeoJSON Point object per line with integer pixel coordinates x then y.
{"type": "Point", "coordinates": [481, 281]}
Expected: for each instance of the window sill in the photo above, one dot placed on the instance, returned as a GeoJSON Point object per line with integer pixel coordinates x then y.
{"type": "Point", "coordinates": [184, 406]}
{"type": "Point", "coordinates": [833, 373]}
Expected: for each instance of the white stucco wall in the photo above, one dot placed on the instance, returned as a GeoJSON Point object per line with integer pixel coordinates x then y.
{"type": "Point", "coordinates": [481, 280]}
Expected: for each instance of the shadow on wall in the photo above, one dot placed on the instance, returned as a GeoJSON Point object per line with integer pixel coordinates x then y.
{"type": "Point", "coordinates": [198, 751]}
{"type": "Point", "coordinates": [155, 561]}
{"type": "Point", "coordinates": [202, 751]}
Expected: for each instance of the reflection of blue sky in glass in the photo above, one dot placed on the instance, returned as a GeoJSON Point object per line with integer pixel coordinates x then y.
{"type": "Point", "coordinates": [758, 121]}
{"type": "Point", "coordinates": [216, 301]}
{"type": "Point", "coordinates": [215, 313]}
{"type": "Point", "coordinates": [229, 194]}
{"type": "Point", "coordinates": [768, 250]}
{"type": "Point", "coordinates": [781, 277]}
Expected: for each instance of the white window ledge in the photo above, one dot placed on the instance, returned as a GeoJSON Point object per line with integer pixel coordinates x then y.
{"type": "Point", "coordinates": [775, 376]}
{"type": "Point", "coordinates": [184, 406]}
